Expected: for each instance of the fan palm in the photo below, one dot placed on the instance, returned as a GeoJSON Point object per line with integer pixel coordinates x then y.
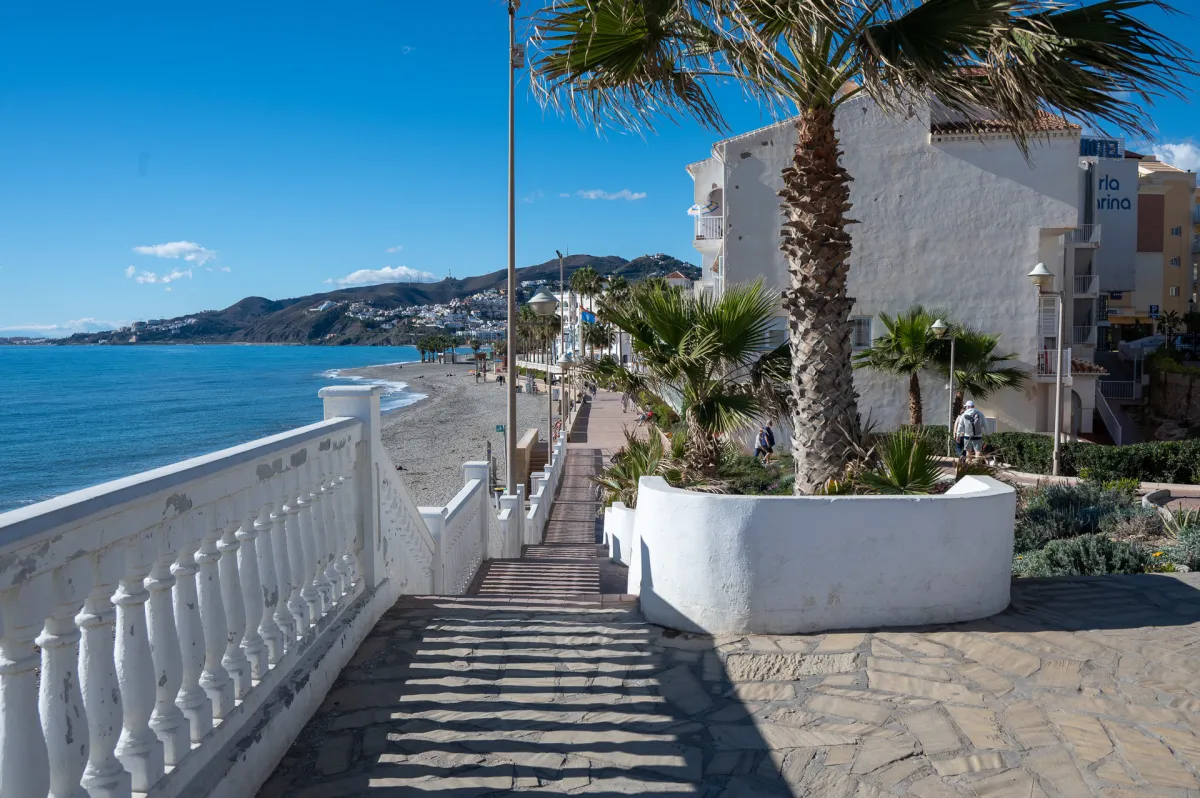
{"type": "Point", "coordinates": [697, 353]}
{"type": "Point", "coordinates": [905, 350]}
{"type": "Point", "coordinates": [626, 62]}
{"type": "Point", "coordinates": [979, 370]}
{"type": "Point", "coordinates": [597, 336]}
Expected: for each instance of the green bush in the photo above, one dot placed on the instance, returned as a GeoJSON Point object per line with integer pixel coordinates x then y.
{"type": "Point", "coordinates": [1087, 555]}
{"type": "Point", "coordinates": [1160, 461]}
{"type": "Point", "coordinates": [746, 476]}
{"type": "Point", "coordinates": [1185, 527]}
{"type": "Point", "coordinates": [1133, 522]}
{"type": "Point", "coordinates": [1057, 512]}
{"type": "Point", "coordinates": [936, 437]}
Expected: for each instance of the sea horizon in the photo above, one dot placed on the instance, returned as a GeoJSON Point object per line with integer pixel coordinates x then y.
{"type": "Point", "coordinates": [76, 416]}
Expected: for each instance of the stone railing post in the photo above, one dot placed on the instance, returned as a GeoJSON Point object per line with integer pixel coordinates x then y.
{"type": "Point", "coordinates": [362, 402]}
{"type": "Point", "coordinates": [523, 520]}
{"type": "Point", "coordinates": [103, 777]}
{"type": "Point", "coordinates": [511, 543]}
{"type": "Point", "coordinates": [22, 747]}
{"type": "Point", "coordinates": [61, 702]}
{"type": "Point", "coordinates": [478, 469]}
{"type": "Point", "coordinates": [435, 521]}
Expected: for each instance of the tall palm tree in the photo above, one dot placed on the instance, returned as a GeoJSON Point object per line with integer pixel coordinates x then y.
{"type": "Point", "coordinates": [617, 290]}
{"type": "Point", "coordinates": [627, 62]}
{"type": "Point", "coordinates": [586, 283]}
{"type": "Point", "coordinates": [979, 370]}
{"type": "Point", "coordinates": [698, 355]}
{"type": "Point", "coordinates": [598, 336]}
{"type": "Point", "coordinates": [905, 350]}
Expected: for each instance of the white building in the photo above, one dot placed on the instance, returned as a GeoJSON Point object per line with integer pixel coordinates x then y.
{"type": "Point", "coordinates": [948, 219]}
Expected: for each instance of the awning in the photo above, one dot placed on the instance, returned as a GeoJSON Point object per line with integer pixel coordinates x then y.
{"type": "Point", "coordinates": [699, 209]}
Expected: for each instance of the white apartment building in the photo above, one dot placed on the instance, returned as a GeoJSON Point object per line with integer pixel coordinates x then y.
{"type": "Point", "coordinates": [947, 219]}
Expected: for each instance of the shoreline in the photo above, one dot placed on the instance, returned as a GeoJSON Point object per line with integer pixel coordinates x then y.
{"type": "Point", "coordinates": [431, 438]}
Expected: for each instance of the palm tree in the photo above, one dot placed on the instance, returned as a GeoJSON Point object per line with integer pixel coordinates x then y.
{"type": "Point", "coordinates": [627, 62]}
{"type": "Point", "coordinates": [907, 349]}
{"type": "Point", "coordinates": [586, 283]}
{"type": "Point", "coordinates": [698, 355]}
{"type": "Point", "coordinates": [979, 370]}
{"type": "Point", "coordinates": [1171, 323]}
{"type": "Point", "coordinates": [618, 290]}
{"type": "Point", "coordinates": [598, 336]}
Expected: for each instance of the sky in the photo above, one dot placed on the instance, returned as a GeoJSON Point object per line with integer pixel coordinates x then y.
{"type": "Point", "coordinates": [158, 159]}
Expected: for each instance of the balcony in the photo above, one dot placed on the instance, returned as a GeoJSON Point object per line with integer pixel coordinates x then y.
{"type": "Point", "coordinates": [710, 228]}
{"type": "Point", "coordinates": [1196, 245]}
{"type": "Point", "coordinates": [1085, 335]}
{"type": "Point", "coordinates": [1087, 285]}
{"type": "Point", "coordinates": [1047, 364]}
{"type": "Point", "coordinates": [1083, 235]}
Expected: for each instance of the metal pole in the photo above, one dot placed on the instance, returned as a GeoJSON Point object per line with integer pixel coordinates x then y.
{"type": "Point", "coordinates": [562, 342]}
{"type": "Point", "coordinates": [510, 429]}
{"type": "Point", "coordinates": [549, 395]}
{"type": "Point", "coordinates": [1058, 380]}
{"type": "Point", "coordinates": [950, 408]}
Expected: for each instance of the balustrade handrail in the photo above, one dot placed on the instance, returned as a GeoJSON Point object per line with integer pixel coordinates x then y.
{"type": "Point", "coordinates": [28, 525]}
{"type": "Point", "coordinates": [1086, 283]}
{"type": "Point", "coordinates": [1083, 234]}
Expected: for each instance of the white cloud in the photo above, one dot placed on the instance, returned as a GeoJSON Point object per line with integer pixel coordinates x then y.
{"type": "Point", "coordinates": [225, 269]}
{"type": "Point", "coordinates": [151, 278]}
{"type": "Point", "coordinates": [405, 49]}
{"type": "Point", "coordinates": [623, 194]}
{"type": "Point", "coordinates": [394, 250]}
{"type": "Point", "coordinates": [87, 324]}
{"type": "Point", "coordinates": [564, 194]}
{"type": "Point", "coordinates": [533, 196]}
{"type": "Point", "coordinates": [189, 251]}
{"type": "Point", "coordinates": [1184, 155]}
{"type": "Point", "coordinates": [130, 271]}
{"type": "Point", "coordinates": [388, 274]}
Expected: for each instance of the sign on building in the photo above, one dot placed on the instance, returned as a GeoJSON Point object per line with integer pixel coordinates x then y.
{"type": "Point", "coordinates": [1100, 147]}
{"type": "Point", "coordinates": [1153, 312]}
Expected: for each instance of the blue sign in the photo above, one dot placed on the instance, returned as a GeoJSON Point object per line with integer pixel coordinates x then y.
{"type": "Point", "coordinates": [1096, 147]}
{"type": "Point", "coordinates": [499, 428]}
{"type": "Point", "coordinates": [1153, 312]}
{"type": "Point", "coordinates": [588, 317]}
{"type": "Point", "coordinates": [1115, 294]}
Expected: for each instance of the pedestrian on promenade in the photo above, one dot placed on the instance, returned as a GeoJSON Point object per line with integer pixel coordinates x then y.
{"type": "Point", "coordinates": [625, 402]}
{"type": "Point", "coordinates": [968, 432]}
{"type": "Point", "coordinates": [762, 445]}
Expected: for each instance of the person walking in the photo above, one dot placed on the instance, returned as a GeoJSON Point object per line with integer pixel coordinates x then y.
{"type": "Point", "coordinates": [625, 402]}
{"type": "Point", "coordinates": [770, 442]}
{"type": "Point", "coordinates": [968, 432]}
{"type": "Point", "coordinates": [762, 445]}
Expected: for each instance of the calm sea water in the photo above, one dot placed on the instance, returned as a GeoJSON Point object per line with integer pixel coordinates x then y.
{"type": "Point", "coordinates": [75, 416]}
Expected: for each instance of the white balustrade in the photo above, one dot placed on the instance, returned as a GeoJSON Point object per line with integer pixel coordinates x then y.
{"type": "Point", "coordinates": [167, 612]}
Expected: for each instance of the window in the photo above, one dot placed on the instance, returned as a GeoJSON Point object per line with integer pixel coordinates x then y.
{"type": "Point", "coordinates": [1174, 290]}
{"type": "Point", "coordinates": [1176, 231]}
{"type": "Point", "coordinates": [860, 332]}
{"type": "Point", "coordinates": [1174, 261]}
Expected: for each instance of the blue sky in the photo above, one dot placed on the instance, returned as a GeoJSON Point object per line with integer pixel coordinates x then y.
{"type": "Point", "coordinates": [162, 158]}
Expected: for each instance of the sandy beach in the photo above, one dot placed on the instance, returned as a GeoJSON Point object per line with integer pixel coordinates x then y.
{"type": "Point", "coordinates": [430, 440]}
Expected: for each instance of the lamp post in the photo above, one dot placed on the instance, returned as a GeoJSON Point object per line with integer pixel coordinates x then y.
{"type": "Point", "coordinates": [562, 300]}
{"type": "Point", "coordinates": [516, 59]}
{"type": "Point", "coordinates": [1044, 280]}
{"type": "Point", "coordinates": [564, 368]}
{"type": "Point", "coordinates": [939, 328]}
{"type": "Point", "coordinates": [544, 305]}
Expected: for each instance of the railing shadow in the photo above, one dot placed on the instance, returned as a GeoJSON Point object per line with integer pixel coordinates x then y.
{"type": "Point", "coordinates": [471, 697]}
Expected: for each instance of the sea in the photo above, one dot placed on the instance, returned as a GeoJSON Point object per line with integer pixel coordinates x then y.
{"type": "Point", "coordinates": [76, 416]}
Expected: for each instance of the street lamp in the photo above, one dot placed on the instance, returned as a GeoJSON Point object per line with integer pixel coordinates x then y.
{"type": "Point", "coordinates": [544, 305]}
{"type": "Point", "coordinates": [939, 329]}
{"type": "Point", "coordinates": [1044, 280]}
{"type": "Point", "coordinates": [516, 60]}
{"type": "Point", "coordinates": [564, 367]}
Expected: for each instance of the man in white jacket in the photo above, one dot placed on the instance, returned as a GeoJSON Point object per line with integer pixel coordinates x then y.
{"type": "Point", "coordinates": [968, 431]}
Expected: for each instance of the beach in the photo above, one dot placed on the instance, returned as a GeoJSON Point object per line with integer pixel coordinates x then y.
{"type": "Point", "coordinates": [431, 439]}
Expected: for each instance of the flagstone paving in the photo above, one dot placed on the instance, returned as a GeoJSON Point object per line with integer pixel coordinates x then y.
{"type": "Point", "coordinates": [1083, 687]}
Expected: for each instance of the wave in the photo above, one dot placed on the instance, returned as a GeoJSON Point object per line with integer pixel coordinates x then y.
{"type": "Point", "coordinates": [395, 395]}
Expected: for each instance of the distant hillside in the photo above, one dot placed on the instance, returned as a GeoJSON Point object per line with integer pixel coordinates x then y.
{"type": "Point", "coordinates": [294, 321]}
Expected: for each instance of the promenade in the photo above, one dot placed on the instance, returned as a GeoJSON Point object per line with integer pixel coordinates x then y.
{"type": "Point", "coordinates": [547, 680]}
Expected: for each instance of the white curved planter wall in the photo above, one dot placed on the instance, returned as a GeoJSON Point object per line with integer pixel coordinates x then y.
{"type": "Point", "coordinates": [789, 565]}
{"type": "Point", "coordinates": [618, 532]}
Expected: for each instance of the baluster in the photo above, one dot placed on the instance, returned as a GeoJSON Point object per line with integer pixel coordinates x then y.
{"type": "Point", "coordinates": [103, 777]}
{"type": "Point", "coordinates": [327, 586]}
{"type": "Point", "coordinates": [308, 544]}
{"type": "Point", "coordinates": [333, 538]}
{"type": "Point", "coordinates": [272, 635]}
{"type": "Point", "coordinates": [213, 677]}
{"type": "Point", "coordinates": [192, 699]}
{"type": "Point", "coordinates": [251, 584]}
{"type": "Point", "coordinates": [138, 747]}
{"type": "Point", "coordinates": [348, 517]}
{"type": "Point", "coordinates": [288, 623]}
{"type": "Point", "coordinates": [234, 660]}
{"type": "Point", "coordinates": [291, 527]}
{"type": "Point", "coordinates": [60, 701]}
{"type": "Point", "coordinates": [168, 721]}
{"type": "Point", "coordinates": [26, 772]}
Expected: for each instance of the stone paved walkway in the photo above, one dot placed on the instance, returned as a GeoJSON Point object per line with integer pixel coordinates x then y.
{"type": "Point", "coordinates": [1083, 687]}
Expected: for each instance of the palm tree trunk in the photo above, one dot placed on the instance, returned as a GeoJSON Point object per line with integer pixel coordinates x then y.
{"type": "Point", "coordinates": [816, 197]}
{"type": "Point", "coordinates": [958, 403]}
{"type": "Point", "coordinates": [702, 449]}
{"type": "Point", "coordinates": [916, 415]}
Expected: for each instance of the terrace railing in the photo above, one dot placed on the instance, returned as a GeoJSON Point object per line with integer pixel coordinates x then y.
{"type": "Point", "coordinates": [170, 633]}
{"type": "Point", "coordinates": [1087, 284]}
{"type": "Point", "coordinates": [1047, 363]}
{"type": "Point", "coordinates": [710, 228]}
{"type": "Point", "coordinates": [1083, 234]}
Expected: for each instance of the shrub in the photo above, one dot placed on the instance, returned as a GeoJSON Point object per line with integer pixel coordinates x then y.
{"type": "Point", "coordinates": [1184, 526]}
{"type": "Point", "coordinates": [1057, 512]}
{"type": "Point", "coordinates": [936, 437]}
{"type": "Point", "coordinates": [1160, 461]}
{"type": "Point", "coordinates": [906, 465]}
{"type": "Point", "coordinates": [1087, 555]}
{"type": "Point", "coordinates": [1133, 522]}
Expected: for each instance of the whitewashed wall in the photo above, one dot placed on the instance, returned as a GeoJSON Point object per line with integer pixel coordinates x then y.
{"type": "Point", "coordinates": [949, 223]}
{"type": "Point", "coordinates": [789, 565]}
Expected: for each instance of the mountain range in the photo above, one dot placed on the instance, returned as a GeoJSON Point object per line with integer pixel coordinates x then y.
{"type": "Point", "coordinates": [294, 321]}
